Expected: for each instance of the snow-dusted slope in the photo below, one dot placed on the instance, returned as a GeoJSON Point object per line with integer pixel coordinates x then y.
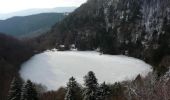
{"type": "Point", "coordinates": [54, 68]}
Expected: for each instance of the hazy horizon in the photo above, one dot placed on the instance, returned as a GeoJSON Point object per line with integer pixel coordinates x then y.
{"type": "Point", "coordinates": [38, 9]}
{"type": "Point", "coordinates": [35, 11]}
{"type": "Point", "coordinates": [8, 6]}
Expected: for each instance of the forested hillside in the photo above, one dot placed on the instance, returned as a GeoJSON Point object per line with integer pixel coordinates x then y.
{"type": "Point", "coordinates": [138, 28]}
{"type": "Point", "coordinates": [30, 26]}
{"type": "Point", "coordinates": [12, 54]}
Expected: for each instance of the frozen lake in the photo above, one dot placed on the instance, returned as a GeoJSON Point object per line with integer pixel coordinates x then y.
{"type": "Point", "coordinates": [54, 68]}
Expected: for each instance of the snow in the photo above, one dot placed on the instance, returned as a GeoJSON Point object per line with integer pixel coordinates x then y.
{"type": "Point", "coordinates": [54, 68]}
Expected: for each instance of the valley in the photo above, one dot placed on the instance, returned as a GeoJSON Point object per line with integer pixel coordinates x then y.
{"type": "Point", "coordinates": [99, 50]}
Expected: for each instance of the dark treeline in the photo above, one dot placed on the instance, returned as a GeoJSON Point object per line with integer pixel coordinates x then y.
{"type": "Point", "coordinates": [148, 88]}
{"type": "Point", "coordinates": [22, 91]}
{"type": "Point", "coordinates": [12, 54]}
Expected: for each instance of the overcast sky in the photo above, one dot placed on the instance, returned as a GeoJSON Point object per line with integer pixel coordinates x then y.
{"type": "Point", "coordinates": [8, 6]}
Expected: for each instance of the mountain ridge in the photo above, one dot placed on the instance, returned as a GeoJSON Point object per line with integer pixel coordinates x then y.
{"type": "Point", "coordinates": [30, 26]}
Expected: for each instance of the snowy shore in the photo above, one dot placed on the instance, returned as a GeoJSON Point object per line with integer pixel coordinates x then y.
{"type": "Point", "coordinates": [54, 68]}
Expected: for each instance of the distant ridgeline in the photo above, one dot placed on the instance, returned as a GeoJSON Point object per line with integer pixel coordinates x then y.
{"type": "Point", "coordinates": [30, 26]}
{"type": "Point", "coordinates": [138, 28]}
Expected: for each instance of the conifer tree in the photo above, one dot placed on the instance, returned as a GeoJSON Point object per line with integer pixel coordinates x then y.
{"type": "Point", "coordinates": [91, 87]}
{"type": "Point", "coordinates": [15, 90]}
{"type": "Point", "coordinates": [28, 91]}
{"type": "Point", "coordinates": [69, 95]}
{"type": "Point", "coordinates": [104, 92]}
{"type": "Point", "coordinates": [73, 90]}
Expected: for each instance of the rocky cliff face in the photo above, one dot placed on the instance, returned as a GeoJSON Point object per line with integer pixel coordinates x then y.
{"type": "Point", "coordinates": [138, 28]}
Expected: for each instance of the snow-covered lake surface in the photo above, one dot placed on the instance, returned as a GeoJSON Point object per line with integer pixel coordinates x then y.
{"type": "Point", "coordinates": [54, 68]}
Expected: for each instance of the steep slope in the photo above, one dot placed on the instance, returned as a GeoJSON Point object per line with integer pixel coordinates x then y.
{"type": "Point", "coordinates": [12, 54]}
{"type": "Point", "coordinates": [138, 28]}
{"type": "Point", "coordinates": [30, 26]}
